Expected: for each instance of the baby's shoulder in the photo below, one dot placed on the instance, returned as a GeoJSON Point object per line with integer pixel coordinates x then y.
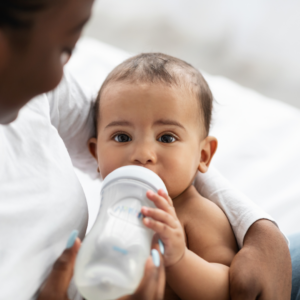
{"type": "Point", "coordinates": [208, 231]}
{"type": "Point", "coordinates": [192, 208]}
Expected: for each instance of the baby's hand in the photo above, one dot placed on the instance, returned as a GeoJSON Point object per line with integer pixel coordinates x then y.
{"type": "Point", "coordinates": [166, 224]}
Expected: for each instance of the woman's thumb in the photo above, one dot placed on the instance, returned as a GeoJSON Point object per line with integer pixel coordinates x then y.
{"type": "Point", "coordinates": [57, 283]}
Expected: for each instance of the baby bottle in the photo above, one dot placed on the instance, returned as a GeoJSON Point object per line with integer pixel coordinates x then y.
{"type": "Point", "coordinates": [111, 260]}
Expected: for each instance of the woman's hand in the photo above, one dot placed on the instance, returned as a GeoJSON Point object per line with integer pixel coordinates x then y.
{"type": "Point", "coordinates": [163, 220]}
{"type": "Point", "coordinates": [56, 286]}
{"type": "Point", "coordinates": [57, 283]}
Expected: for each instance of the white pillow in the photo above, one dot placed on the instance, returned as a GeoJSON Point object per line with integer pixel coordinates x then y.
{"type": "Point", "coordinates": [259, 139]}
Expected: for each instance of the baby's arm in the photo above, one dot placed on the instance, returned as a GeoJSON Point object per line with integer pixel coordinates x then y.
{"type": "Point", "coordinates": [212, 247]}
{"type": "Point", "coordinates": [208, 235]}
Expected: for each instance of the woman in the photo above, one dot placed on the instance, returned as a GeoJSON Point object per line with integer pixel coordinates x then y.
{"type": "Point", "coordinates": [41, 199]}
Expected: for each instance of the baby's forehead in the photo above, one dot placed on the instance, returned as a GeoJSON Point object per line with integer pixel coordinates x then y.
{"type": "Point", "coordinates": [155, 98]}
{"type": "Point", "coordinates": [124, 91]}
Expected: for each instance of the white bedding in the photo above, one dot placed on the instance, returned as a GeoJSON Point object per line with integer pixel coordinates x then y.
{"type": "Point", "coordinates": [259, 139]}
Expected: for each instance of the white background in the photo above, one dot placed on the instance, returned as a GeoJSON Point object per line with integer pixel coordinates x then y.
{"type": "Point", "coordinates": [254, 42]}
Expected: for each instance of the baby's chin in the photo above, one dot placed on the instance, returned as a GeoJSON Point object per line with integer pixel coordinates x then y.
{"type": "Point", "coordinates": [175, 185]}
{"type": "Point", "coordinates": [176, 192]}
{"type": "Point", "coordinates": [184, 194]}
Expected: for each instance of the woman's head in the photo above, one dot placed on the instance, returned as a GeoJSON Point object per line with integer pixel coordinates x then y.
{"type": "Point", "coordinates": [35, 38]}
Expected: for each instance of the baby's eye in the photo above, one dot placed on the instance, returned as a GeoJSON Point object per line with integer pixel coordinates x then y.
{"type": "Point", "coordinates": [166, 138]}
{"type": "Point", "coordinates": [122, 138]}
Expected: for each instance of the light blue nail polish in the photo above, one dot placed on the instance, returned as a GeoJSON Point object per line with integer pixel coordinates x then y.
{"type": "Point", "coordinates": [72, 239]}
{"type": "Point", "coordinates": [161, 247]}
{"type": "Point", "coordinates": [155, 257]}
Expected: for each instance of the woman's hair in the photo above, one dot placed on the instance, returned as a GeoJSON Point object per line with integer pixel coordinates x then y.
{"type": "Point", "coordinates": [19, 14]}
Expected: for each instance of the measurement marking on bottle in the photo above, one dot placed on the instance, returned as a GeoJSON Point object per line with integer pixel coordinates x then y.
{"type": "Point", "coordinates": [121, 209]}
{"type": "Point", "coordinates": [123, 251]}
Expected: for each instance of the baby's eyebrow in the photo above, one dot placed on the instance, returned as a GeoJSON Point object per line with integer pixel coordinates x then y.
{"type": "Point", "coordinates": [118, 123]}
{"type": "Point", "coordinates": [168, 122]}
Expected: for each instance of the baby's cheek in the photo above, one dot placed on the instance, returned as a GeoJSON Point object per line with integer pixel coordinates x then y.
{"type": "Point", "coordinates": [108, 161]}
{"type": "Point", "coordinates": [179, 176]}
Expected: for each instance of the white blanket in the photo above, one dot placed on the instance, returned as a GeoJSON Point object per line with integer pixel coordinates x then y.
{"type": "Point", "coordinates": [259, 139]}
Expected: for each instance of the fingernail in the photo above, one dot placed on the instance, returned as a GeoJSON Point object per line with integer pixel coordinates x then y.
{"type": "Point", "coordinates": [72, 239]}
{"type": "Point", "coordinates": [161, 247]}
{"type": "Point", "coordinates": [155, 257]}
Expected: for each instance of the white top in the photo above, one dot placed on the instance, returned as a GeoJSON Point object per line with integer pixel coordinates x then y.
{"type": "Point", "coordinates": [41, 200]}
{"type": "Point", "coordinates": [239, 209]}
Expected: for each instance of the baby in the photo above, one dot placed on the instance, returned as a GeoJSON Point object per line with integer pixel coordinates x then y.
{"type": "Point", "coordinates": [154, 110]}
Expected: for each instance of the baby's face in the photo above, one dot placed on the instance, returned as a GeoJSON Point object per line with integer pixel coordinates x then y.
{"type": "Point", "coordinates": [153, 126]}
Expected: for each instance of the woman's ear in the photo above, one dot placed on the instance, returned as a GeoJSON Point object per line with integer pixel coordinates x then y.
{"type": "Point", "coordinates": [208, 149]}
{"type": "Point", "coordinates": [92, 143]}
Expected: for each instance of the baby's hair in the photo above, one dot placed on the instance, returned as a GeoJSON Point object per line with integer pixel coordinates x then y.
{"type": "Point", "coordinates": [158, 68]}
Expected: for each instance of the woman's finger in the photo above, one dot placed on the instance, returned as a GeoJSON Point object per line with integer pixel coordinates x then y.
{"type": "Point", "coordinates": [159, 215]}
{"type": "Point", "coordinates": [57, 284]}
{"type": "Point", "coordinates": [160, 290]}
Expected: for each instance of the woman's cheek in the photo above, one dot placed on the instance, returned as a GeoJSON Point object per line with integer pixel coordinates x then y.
{"type": "Point", "coordinates": [53, 70]}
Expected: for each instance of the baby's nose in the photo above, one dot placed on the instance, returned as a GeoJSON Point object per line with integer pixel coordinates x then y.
{"type": "Point", "coordinates": [143, 154]}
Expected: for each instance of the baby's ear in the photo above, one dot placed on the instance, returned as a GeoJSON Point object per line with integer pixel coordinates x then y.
{"type": "Point", "coordinates": [208, 149]}
{"type": "Point", "coordinates": [92, 143]}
